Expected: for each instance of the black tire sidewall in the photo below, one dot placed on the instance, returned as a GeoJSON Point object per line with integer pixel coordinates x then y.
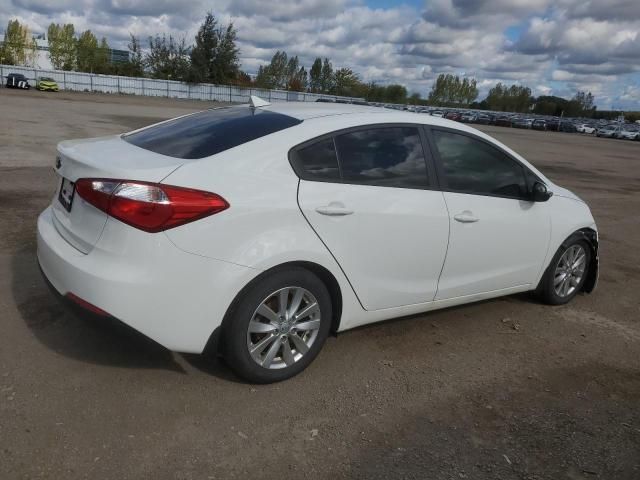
{"type": "Point", "coordinates": [235, 329]}
{"type": "Point", "coordinates": [548, 292]}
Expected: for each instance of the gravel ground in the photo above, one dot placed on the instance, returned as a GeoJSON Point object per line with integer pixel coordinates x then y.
{"type": "Point", "coordinates": [503, 389]}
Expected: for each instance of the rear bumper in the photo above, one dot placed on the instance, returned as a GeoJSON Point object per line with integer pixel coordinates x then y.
{"type": "Point", "coordinates": [175, 298]}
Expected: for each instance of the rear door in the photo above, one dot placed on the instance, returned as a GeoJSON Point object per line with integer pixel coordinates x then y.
{"type": "Point", "coordinates": [499, 237]}
{"type": "Point", "coordinates": [367, 194]}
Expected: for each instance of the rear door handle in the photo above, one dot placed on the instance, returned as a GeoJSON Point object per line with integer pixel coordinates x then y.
{"type": "Point", "coordinates": [334, 209]}
{"type": "Point", "coordinates": [466, 217]}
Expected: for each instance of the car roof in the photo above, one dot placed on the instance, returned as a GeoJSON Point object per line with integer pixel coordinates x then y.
{"type": "Point", "coordinates": [347, 114]}
{"type": "Point", "coordinates": [308, 110]}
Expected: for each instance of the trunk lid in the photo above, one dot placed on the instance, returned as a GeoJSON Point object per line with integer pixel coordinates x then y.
{"type": "Point", "coordinates": [103, 157]}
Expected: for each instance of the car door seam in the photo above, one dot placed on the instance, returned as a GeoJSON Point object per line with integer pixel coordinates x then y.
{"type": "Point", "coordinates": [446, 252]}
{"type": "Point", "coordinates": [326, 246]}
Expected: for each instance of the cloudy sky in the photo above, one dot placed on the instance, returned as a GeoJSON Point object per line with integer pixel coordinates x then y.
{"type": "Point", "coordinates": [553, 46]}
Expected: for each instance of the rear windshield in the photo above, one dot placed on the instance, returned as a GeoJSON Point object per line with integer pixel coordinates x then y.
{"type": "Point", "coordinates": [212, 131]}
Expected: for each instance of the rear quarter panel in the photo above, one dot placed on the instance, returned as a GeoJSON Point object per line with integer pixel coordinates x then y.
{"type": "Point", "coordinates": [263, 227]}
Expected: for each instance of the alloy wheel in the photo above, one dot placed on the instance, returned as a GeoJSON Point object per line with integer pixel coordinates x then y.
{"type": "Point", "coordinates": [283, 327]}
{"type": "Point", "coordinates": [569, 271]}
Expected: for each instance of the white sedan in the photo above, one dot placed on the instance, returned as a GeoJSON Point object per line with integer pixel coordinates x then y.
{"type": "Point", "coordinates": [585, 128]}
{"type": "Point", "coordinates": [261, 228]}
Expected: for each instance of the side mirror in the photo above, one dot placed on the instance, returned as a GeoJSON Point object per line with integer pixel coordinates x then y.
{"type": "Point", "coordinates": [540, 192]}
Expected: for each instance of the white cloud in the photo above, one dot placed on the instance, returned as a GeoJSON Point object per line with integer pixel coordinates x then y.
{"type": "Point", "coordinates": [566, 44]}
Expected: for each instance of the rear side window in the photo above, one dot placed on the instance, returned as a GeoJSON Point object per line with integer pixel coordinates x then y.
{"type": "Point", "coordinates": [317, 161]}
{"type": "Point", "coordinates": [473, 166]}
{"type": "Point", "coordinates": [383, 156]}
{"type": "Point", "coordinates": [387, 157]}
{"type": "Point", "coordinates": [212, 131]}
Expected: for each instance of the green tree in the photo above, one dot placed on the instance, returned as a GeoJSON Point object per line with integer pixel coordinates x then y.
{"type": "Point", "coordinates": [135, 64]}
{"type": "Point", "coordinates": [415, 98]}
{"type": "Point", "coordinates": [243, 79]}
{"type": "Point", "coordinates": [315, 75]}
{"type": "Point", "coordinates": [167, 58]}
{"type": "Point", "coordinates": [550, 105]}
{"type": "Point", "coordinates": [450, 90]}
{"type": "Point", "coordinates": [373, 92]}
{"type": "Point", "coordinates": [297, 77]}
{"type": "Point", "coordinates": [283, 72]}
{"type": "Point", "coordinates": [274, 75]}
{"type": "Point", "coordinates": [396, 93]}
{"type": "Point", "coordinates": [326, 76]}
{"type": "Point", "coordinates": [103, 57]}
{"type": "Point", "coordinates": [62, 46]}
{"type": "Point", "coordinates": [345, 82]}
{"type": "Point", "coordinates": [227, 61]}
{"type": "Point", "coordinates": [513, 98]}
{"type": "Point", "coordinates": [204, 51]}
{"type": "Point", "coordinates": [581, 105]}
{"type": "Point", "coordinates": [18, 47]}
{"type": "Point", "coordinates": [86, 52]}
{"type": "Point", "coordinates": [214, 57]}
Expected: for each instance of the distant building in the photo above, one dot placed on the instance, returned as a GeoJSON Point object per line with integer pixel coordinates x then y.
{"type": "Point", "coordinates": [42, 59]}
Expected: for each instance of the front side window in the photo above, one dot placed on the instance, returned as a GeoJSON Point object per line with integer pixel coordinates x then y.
{"type": "Point", "coordinates": [473, 166]}
{"type": "Point", "coordinates": [388, 157]}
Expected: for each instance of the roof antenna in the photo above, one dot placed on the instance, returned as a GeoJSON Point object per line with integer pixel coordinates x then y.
{"type": "Point", "coordinates": [255, 102]}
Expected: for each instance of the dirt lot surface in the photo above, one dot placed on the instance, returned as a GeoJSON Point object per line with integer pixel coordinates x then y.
{"type": "Point", "coordinates": [503, 389]}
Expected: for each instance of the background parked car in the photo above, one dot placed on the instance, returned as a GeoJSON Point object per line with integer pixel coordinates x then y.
{"type": "Point", "coordinates": [539, 124]}
{"type": "Point", "coordinates": [17, 80]}
{"type": "Point", "coordinates": [628, 132]}
{"type": "Point", "coordinates": [608, 131]}
{"type": "Point", "coordinates": [46, 84]}
{"type": "Point", "coordinates": [567, 127]}
{"type": "Point", "coordinates": [522, 123]}
{"type": "Point", "coordinates": [585, 128]}
{"type": "Point", "coordinates": [553, 124]}
{"type": "Point", "coordinates": [453, 116]}
{"type": "Point", "coordinates": [503, 122]}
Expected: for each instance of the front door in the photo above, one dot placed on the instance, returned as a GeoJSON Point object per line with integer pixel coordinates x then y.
{"type": "Point", "coordinates": [499, 237]}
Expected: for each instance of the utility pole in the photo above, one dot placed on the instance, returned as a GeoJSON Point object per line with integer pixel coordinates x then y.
{"type": "Point", "coordinates": [560, 122]}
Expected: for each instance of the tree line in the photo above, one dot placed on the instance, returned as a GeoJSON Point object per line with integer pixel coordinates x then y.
{"type": "Point", "coordinates": [213, 57]}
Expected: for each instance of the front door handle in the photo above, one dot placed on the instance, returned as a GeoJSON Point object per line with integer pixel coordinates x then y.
{"type": "Point", "coordinates": [466, 217]}
{"type": "Point", "coordinates": [334, 209]}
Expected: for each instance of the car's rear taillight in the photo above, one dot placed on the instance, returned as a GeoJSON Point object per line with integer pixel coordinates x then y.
{"type": "Point", "coordinates": [152, 207]}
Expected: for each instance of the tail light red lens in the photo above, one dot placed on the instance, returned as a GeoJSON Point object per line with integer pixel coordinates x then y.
{"type": "Point", "coordinates": [152, 207]}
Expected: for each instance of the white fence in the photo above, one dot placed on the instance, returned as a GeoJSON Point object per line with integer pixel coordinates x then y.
{"type": "Point", "coordinates": [89, 82]}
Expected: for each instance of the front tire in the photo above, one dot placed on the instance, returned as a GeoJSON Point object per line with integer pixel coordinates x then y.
{"type": "Point", "coordinates": [277, 326]}
{"type": "Point", "coordinates": [566, 273]}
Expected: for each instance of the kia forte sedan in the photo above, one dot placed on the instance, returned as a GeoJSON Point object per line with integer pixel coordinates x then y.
{"type": "Point", "coordinates": [267, 227]}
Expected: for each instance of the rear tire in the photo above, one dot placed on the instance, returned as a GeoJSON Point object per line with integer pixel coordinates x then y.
{"type": "Point", "coordinates": [278, 326]}
{"type": "Point", "coordinates": [566, 273]}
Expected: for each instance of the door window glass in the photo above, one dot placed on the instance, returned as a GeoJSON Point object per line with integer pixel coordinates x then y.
{"type": "Point", "coordinates": [388, 157]}
{"type": "Point", "coordinates": [473, 166]}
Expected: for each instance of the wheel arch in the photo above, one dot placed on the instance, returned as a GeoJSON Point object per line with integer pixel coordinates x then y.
{"type": "Point", "coordinates": [213, 344]}
{"type": "Point", "coordinates": [589, 235]}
